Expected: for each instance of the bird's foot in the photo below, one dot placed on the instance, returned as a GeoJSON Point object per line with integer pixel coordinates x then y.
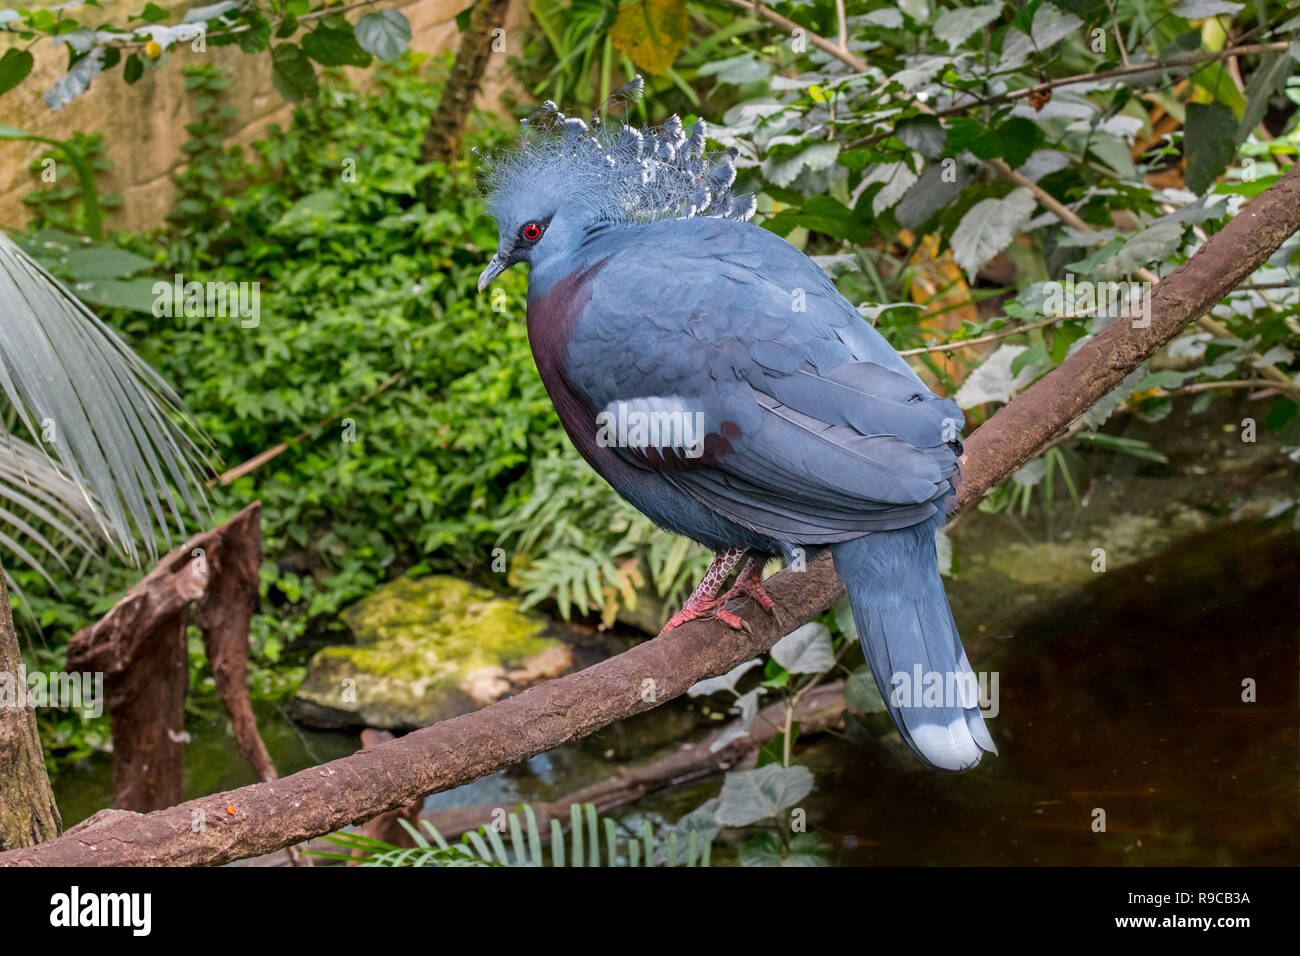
{"type": "Point", "coordinates": [703, 611]}
{"type": "Point", "coordinates": [749, 583]}
{"type": "Point", "coordinates": [704, 601]}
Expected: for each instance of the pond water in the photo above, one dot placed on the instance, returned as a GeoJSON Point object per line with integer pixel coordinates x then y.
{"type": "Point", "coordinates": [1124, 698]}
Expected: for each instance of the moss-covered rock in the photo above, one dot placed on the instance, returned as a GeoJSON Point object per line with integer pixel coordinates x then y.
{"type": "Point", "coordinates": [427, 649]}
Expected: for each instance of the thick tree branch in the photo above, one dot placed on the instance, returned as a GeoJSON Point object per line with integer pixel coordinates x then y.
{"type": "Point", "coordinates": [267, 816]}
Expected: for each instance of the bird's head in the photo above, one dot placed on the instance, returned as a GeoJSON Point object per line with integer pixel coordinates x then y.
{"type": "Point", "coordinates": [565, 176]}
{"type": "Point", "coordinates": [530, 229]}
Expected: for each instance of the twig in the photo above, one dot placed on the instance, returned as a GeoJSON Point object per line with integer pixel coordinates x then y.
{"type": "Point", "coordinates": [816, 39]}
{"type": "Point", "coordinates": [1000, 334]}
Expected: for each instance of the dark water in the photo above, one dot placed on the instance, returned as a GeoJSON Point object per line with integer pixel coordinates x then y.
{"type": "Point", "coordinates": [1125, 698]}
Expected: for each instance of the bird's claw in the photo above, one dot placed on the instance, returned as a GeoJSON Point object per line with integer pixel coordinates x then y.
{"type": "Point", "coordinates": [751, 590]}
{"type": "Point", "coordinates": [713, 611]}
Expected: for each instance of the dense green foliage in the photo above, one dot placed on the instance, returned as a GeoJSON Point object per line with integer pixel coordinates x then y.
{"type": "Point", "coordinates": [419, 436]}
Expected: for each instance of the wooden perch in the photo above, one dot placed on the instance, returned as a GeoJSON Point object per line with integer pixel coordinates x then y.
{"type": "Point", "coordinates": [323, 799]}
{"type": "Point", "coordinates": [818, 710]}
{"type": "Point", "coordinates": [140, 647]}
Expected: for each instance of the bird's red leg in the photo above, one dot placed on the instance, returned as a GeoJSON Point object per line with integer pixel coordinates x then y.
{"type": "Point", "coordinates": [749, 582]}
{"type": "Point", "coordinates": [704, 601]}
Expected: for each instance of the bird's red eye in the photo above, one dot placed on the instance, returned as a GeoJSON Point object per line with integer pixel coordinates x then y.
{"type": "Point", "coordinates": [532, 232]}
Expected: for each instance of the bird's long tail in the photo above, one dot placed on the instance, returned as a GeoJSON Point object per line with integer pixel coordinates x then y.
{"type": "Point", "coordinates": [911, 643]}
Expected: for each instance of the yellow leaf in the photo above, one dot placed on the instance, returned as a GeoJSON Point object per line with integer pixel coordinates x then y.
{"type": "Point", "coordinates": [651, 32]}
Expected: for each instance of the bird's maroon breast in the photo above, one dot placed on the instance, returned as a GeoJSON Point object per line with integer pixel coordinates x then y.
{"type": "Point", "coordinates": [551, 318]}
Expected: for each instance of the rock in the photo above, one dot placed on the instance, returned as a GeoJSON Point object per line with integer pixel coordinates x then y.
{"type": "Point", "coordinates": [427, 649]}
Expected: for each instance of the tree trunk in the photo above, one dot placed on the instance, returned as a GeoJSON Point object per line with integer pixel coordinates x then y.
{"type": "Point", "coordinates": [442, 137]}
{"type": "Point", "coordinates": [28, 814]}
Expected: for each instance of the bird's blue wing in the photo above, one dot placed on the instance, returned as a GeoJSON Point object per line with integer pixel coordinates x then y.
{"type": "Point", "coordinates": [816, 429]}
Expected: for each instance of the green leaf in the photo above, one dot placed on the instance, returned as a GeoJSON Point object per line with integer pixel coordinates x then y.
{"type": "Point", "coordinates": [385, 34]}
{"type": "Point", "coordinates": [334, 48]}
{"type": "Point", "coordinates": [258, 35]}
{"type": "Point", "coordinates": [844, 619]}
{"type": "Point", "coordinates": [727, 681]}
{"type": "Point", "coordinates": [292, 73]}
{"type": "Point", "coordinates": [809, 849]}
{"type": "Point", "coordinates": [988, 227]}
{"type": "Point", "coordinates": [753, 795]}
{"type": "Point", "coordinates": [805, 650]}
{"type": "Point", "coordinates": [103, 262]}
{"type": "Point", "coordinates": [1209, 143]}
{"type": "Point", "coordinates": [938, 188]}
{"type": "Point", "coordinates": [134, 294]}
{"type": "Point", "coordinates": [1269, 77]}
{"type": "Point", "coordinates": [1153, 244]}
{"type": "Point", "coordinates": [954, 26]}
{"type": "Point", "coordinates": [14, 67]}
{"type": "Point", "coordinates": [861, 695]}
{"type": "Point", "coordinates": [152, 13]}
{"type": "Point", "coordinates": [762, 849]}
{"type": "Point", "coordinates": [1036, 354]}
{"type": "Point", "coordinates": [925, 134]}
{"type": "Point", "coordinates": [133, 69]}
{"type": "Point", "coordinates": [651, 33]}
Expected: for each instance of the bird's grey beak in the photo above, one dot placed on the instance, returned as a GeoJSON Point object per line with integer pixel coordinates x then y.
{"type": "Point", "coordinates": [494, 268]}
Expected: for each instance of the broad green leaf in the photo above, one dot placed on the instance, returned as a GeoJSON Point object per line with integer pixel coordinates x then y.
{"type": "Point", "coordinates": [861, 695]}
{"type": "Point", "coordinates": [1209, 143]}
{"type": "Point", "coordinates": [805, 650]}
{"type": "Point", "coordinates": [334, 48]}
{"type": "Point", "coordinates": [761, 849]}
{"type": "Point", "coordinates": [993, 380]}
{"type": "Point", "coordinates": [103, 262]}
{"type": "Point", "coordinates": [1049, 28]}
{"type": "Point", "coordinates": [292, 73]}
{"type": "Point", "coordinates": [752, 795]}
{"type": "Point", "coordinates": [1154, 244]}
{"type": "Point", "coordinates": [924, 134]}
{"type": "Point", "coordinates": [737, 70]}
{"type": "Point", "coordinates": [1269, 77]}
{"type": "Point", "coordinates": [988, 227]}
{"type": "Point", "coordinates": [898, 178]}
{"type": "Point", "coordinates": [809, 849]}
{"type": "Point", "coordinates": [152, 13]}
{"type": "Point", "coordinates": [939, 186]}
{"type": "Point", "coordinates": [727, 681]}
{"type": "Point", "coordinates": [134, 294]}
{"type": "Point", "coordinates": [651, 33]}
{"type": "Point", "coordinates": [784, 168]}
{"type": "Point", "coordinates": [385, 34]}
{"type": "Point", "coordinates": [954, 26]}
{"type": "Point", "coordinates": [844, 620]}
{"type": "Point", "coordinates": [14, 67]}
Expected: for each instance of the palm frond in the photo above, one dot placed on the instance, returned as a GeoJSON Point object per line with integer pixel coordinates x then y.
{"type": "Point", "coordinates": [116, 428]}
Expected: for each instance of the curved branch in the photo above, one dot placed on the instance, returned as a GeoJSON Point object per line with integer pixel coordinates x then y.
{"type": "Point", "coordinates": [267, 816]}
